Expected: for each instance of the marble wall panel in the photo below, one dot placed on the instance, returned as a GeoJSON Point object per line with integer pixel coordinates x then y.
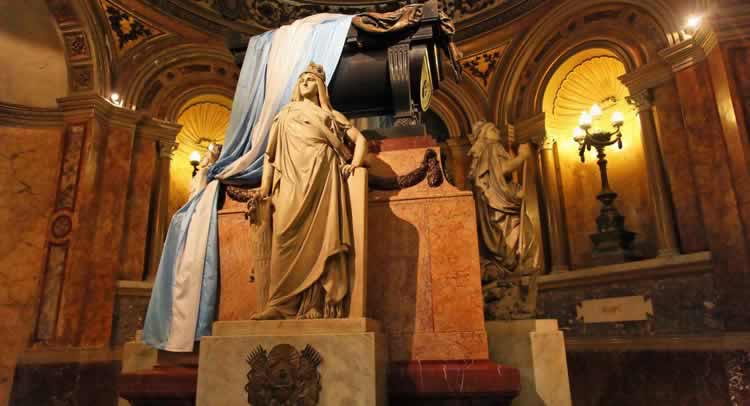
{"type": "Point", "coordinates": [237, 292]}
{"type": "Point", "coordinates": [142, 177]}
{"type": "Point", "coordinates": [423, 267]}
{"type": "Point", "coordinates": [399, 280]}
{"type": "Point", "coordinates": [713, 177]}
{"type": "Point", "coordinates": [29, 163]}
{"type": "Point", "coordinates": [676, 161]}
{"type": "Point", "coordinates": [79, 263]}
{"type": "Point", "coordinates": [454, 265]}
{"type": "Point", "coordinates": [100, 293]}
{"type": "Point", "coordinates": [685, 305]}
{"type": "Point", "coordinates": [648, 379]}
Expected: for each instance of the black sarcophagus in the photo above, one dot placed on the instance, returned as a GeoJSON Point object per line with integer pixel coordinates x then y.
{"type": "Point", "coordinates": [390, 64]}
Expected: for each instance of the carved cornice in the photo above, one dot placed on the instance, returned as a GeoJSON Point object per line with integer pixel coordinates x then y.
{"type": "Point", "coordinates": [649, 269]}
{"type": "Point", "coordinates": [15, 115]}
{"type": "Point", "coordinates": [647, 76]}
{"type": "Point", "coordinates": [158, 130]}
{"type": "Point", "coordinates": [532, 129]}
{"type": "Point", "coordinates": [691, 51]}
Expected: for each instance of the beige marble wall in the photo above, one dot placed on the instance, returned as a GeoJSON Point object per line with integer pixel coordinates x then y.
{"type": "Point", "coordinates": [34, 70]}
{"type": "Point", "coordinates": [28, 167]}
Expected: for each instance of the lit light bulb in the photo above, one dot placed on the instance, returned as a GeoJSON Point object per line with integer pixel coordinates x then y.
{"type": "Point", "coordinates": [693, 22]}
{"type": "Point", "coordinates": [617, 118]}
{"type": "Point", "coordinates": [585, 120]}
{"type": "Point", "coordinates": [115, 98]}
{"type": "Point", "coordinates": [595, 111]}
{"type": "Point", "coordinates": [195, 158]}
{"type": "Point", "coordinates": [578, 133]}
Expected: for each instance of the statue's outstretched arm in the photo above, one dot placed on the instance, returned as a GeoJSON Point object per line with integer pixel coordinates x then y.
{"type": "Point", "coordinates": [524, 152]}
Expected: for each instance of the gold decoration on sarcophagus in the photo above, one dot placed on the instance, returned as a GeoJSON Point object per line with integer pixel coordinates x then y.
{"type": "Point", "coordinates": [127, 30]}
{"type": "Point", "coordinates": [284, 376]}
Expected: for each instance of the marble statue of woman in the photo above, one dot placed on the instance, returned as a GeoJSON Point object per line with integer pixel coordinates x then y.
{"type": "Point", "coordinates": [507, 243]}
{"type": "Point", "coordinates": [306, 165]}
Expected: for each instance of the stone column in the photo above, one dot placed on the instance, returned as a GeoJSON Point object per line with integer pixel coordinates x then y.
{"type": "Point", "coordinates": [458, 148]}
{"type": "Point", "coordinates": [558, 244]}
{"type": "Point", "coordinates": [160, 222]}
{"type": "Point", "coordinates": [666, 238]}
{"type": "Point", "coordinates": [533, 130]}
{"type": "Point", "coordinates": [83, 299]}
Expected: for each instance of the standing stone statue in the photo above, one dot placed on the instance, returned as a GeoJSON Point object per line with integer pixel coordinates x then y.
{"type": "Point", "coordinates": [508, 248]}
{"type": "Point", "coordinates": [306, 165]}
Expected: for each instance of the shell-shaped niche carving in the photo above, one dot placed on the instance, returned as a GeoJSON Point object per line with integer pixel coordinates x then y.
{"type": "Point", "coordinates": [202, 124]}
{"type": "Point", "coordinates": [593, 81]}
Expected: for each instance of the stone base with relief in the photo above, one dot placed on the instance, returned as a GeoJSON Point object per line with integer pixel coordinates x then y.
{"type": "Point", "coordinates": [537, 349]}
{"type": "Point", "coordinates": [324, 362]}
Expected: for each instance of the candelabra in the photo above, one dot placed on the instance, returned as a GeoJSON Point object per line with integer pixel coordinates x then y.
{"type": "Point", "coordinates": [611, 238]}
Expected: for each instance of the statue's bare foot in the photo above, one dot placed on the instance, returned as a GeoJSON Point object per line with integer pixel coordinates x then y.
{"type": "Point", "coordinates": [311, 314]}
{"type": "Point", "coordinates": [268, 314]}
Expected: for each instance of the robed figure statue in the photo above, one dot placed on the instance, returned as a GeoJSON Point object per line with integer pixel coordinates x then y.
{"type": "Point", "coordinates": [509, 250]}
{"type": "Point", "coordinates": [308, 159]}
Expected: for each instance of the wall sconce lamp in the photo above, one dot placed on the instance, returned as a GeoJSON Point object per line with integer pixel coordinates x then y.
{"type": "Point", "coordinates": [115, 99]}
{"type": "Point", "coordinates": [692, 24]}
{"type": "Point", "coordinates": [195, 159]}
{"type": "Point", "coordinates": [611, 239]}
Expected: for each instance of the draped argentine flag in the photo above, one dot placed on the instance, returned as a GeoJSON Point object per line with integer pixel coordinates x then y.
{"type": "Point", "coordinates": [184, 299]}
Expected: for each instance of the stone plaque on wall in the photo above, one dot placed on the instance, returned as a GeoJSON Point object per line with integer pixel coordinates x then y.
{"type": "Point", "coordinates": [615, 309]}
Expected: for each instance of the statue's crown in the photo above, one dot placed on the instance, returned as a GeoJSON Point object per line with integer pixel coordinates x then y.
{"type": "Point", "coordinates": [316, 70]}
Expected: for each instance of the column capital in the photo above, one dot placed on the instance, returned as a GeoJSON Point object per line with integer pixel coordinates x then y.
{"type": "Point", "coordinates": [690, 51]}
{"type": "Point", "coordinates": [158, 130]}
{"type": "Point", "coordinates": [166, 149]}
{"type": "Point", "coordinates": [642, 100]}
{"type": "Point", "coordinates": [531, 129]}
{"type": "Point", "coordinates": [549, 142]}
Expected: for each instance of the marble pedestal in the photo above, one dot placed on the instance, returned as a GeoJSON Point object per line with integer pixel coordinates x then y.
{"type": "Point", "coordinates": [537, 349]}
{"type": "Point", "coordinates": [354, 353]}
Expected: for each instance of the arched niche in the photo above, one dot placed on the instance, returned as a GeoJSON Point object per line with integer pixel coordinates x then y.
{"type": "Point", "coordinates": [582, 79]}
{"type": "Point", "coordinates": [34, 71]}
{"type": "Point", "coordinates": [204, 120]}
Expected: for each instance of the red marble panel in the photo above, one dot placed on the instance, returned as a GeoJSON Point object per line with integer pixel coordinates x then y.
{"type": "Point", "coordinates": [100, 289]}
{"type": "Point", "coordinates": [713, 178]}
{"type": "Point", "coordinates": [676, 160]}
{"type": "Point", "coordinates": [432, 346]}
{"type": "Point", "coordinates": [456, 286]}
{"type": "Point", "coordinates": [399, 282]}
{"type": "Point", "coordinates": [447, 378]}
{"type": "Point", "coordinates": [29, 163]}
{"type": "Point", "coordinates": [79, 265]}
{"type": "Point", "coordinates": [237, 295]}
{"type": "Point", "coordinates": [133, 254]}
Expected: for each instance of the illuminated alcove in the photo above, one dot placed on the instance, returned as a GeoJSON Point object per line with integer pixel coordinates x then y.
{"type": "Point", "coordinates": [591, 77]}
{"type": "Point", "coordinates": [204, 120]}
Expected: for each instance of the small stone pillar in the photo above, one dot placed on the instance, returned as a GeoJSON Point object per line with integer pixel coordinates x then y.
{"type": "Point", "coordinates": [537, 349]}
